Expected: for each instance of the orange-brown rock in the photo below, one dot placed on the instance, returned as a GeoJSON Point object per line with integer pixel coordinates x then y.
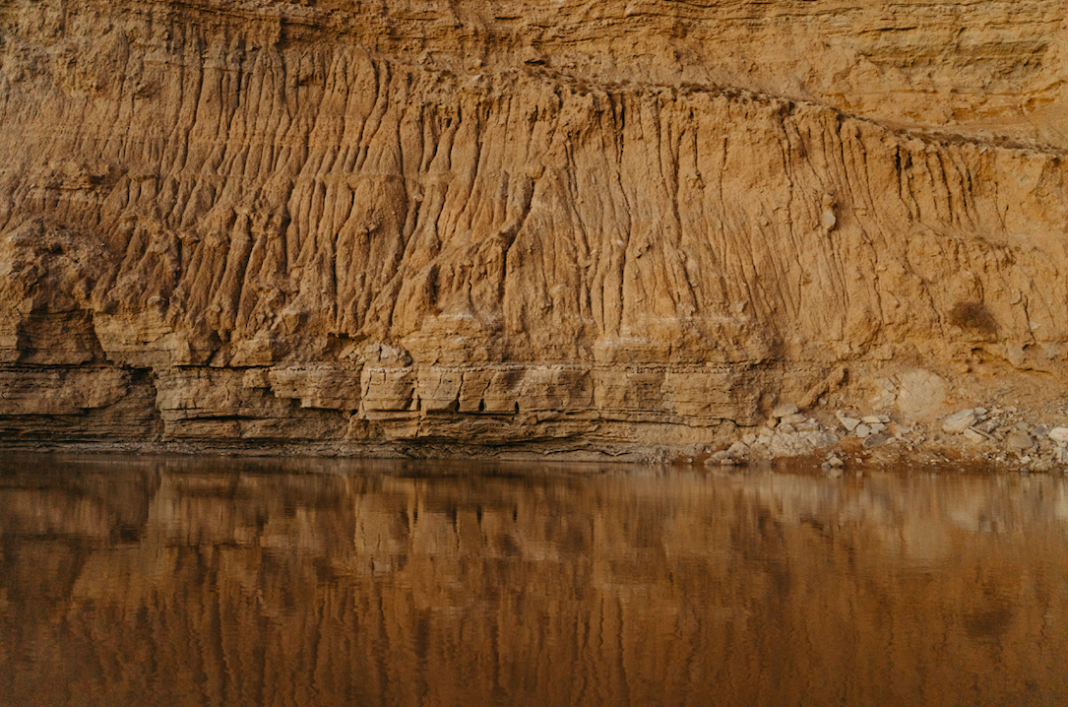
{"type": "Point", "coordinates": [556, 226]}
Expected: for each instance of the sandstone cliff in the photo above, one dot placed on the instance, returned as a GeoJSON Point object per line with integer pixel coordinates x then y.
{"type": "Point", "coordinates": [404, 226]}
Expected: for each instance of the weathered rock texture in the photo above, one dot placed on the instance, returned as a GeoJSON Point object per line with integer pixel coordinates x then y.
{"type": "Point", "coordinates": [570, 226]}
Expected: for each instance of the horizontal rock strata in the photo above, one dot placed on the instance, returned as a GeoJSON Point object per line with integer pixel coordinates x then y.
{"type": "Point", "coordinates": [629, 226]}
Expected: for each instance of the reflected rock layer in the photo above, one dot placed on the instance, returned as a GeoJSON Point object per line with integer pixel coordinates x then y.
{"type": "Point", "coordinates": [172, 584]}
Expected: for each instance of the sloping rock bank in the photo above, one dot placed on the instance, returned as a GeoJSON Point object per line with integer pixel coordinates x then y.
{"type": "Point", "coordinates": [435, 228]}
{"type": "Point", "coordinates": [1005, 438]}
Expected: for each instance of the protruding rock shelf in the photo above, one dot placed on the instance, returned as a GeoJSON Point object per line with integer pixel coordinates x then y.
{"type": "Point", "coordinates": [618, 230]}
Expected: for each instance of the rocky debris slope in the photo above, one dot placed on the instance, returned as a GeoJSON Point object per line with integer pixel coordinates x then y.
{"type": "Point", "coordinates": [999, 437]}
{"type": "Point", "coordinates": [548, 227]}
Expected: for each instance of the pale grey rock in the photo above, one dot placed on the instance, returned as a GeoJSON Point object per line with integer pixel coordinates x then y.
{"type": "Point", "coordinates": [1020, 441]}
{"type": "Point", "coordinates": [849, 423]}
{"type": "Point", "coordinates": [722, 458]}
{"type": "Point", "coordinates": [921, 393]}
{"type": "Point", "coordinates": [1059, 434]}
{"type": "Point", "coordinates": [785, 410]}
{"type": "Point", "coordinates": [738, 450]}
{"type": "Point", "coordinates": [958, 422]}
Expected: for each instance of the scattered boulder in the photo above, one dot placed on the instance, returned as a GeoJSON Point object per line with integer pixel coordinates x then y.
{"type": "Point", "coordinates": [877, 440]}
{"type": "Point", "coordinates": [785, 410]}
{"type": "Point", "coordinates": [738, 450]}
{"type": "Point", "coordinates": [1059, 434]}
{"type": "Point", "coordinates": [1020, 441]}
{"type": "Point", "coordinates": [737, 453]}
{"type": "Point", "coordinates": [849, 423]}
{"type": "Point", "coordinates": [958, 422]}
{"type": "Point", "coordinates": [921, 393]}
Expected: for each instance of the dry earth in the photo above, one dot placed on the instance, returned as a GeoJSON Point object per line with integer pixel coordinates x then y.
{"type": "Point", "coordinates": [579, 229]}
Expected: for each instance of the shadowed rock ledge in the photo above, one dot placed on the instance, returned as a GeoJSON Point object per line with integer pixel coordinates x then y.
{"type": "Point", "coordinates": [430, 228]}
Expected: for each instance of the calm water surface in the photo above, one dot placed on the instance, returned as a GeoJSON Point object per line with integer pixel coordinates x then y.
{"type": "Point", "coordinates": [157, 581]}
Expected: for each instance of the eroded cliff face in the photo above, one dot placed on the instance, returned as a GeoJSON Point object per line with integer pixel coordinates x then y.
{"type": "Point", "coordinates": [409, 226]}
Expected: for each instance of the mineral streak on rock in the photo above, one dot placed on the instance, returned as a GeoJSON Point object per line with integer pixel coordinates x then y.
{"type": "Point", "coordinates": [570, 226]}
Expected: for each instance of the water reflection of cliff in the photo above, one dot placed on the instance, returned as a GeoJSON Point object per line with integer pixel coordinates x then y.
{"type": "Point", "coordinates": [172, 583]}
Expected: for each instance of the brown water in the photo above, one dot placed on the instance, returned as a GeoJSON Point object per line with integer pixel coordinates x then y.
{"type": "Point", "coordinates": [141, 581]}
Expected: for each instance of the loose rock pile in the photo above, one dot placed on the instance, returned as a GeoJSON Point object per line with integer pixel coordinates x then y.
{"type": "Point", "coordinates": [787, 433]}
{"type": "Point", "coordinates": [1006, 438]}
{"type": "Point", "coordinates": [999, 436]}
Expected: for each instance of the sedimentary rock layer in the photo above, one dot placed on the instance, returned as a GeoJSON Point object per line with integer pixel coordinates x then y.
{"type": "Point", "coordinates": [601, 224]}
